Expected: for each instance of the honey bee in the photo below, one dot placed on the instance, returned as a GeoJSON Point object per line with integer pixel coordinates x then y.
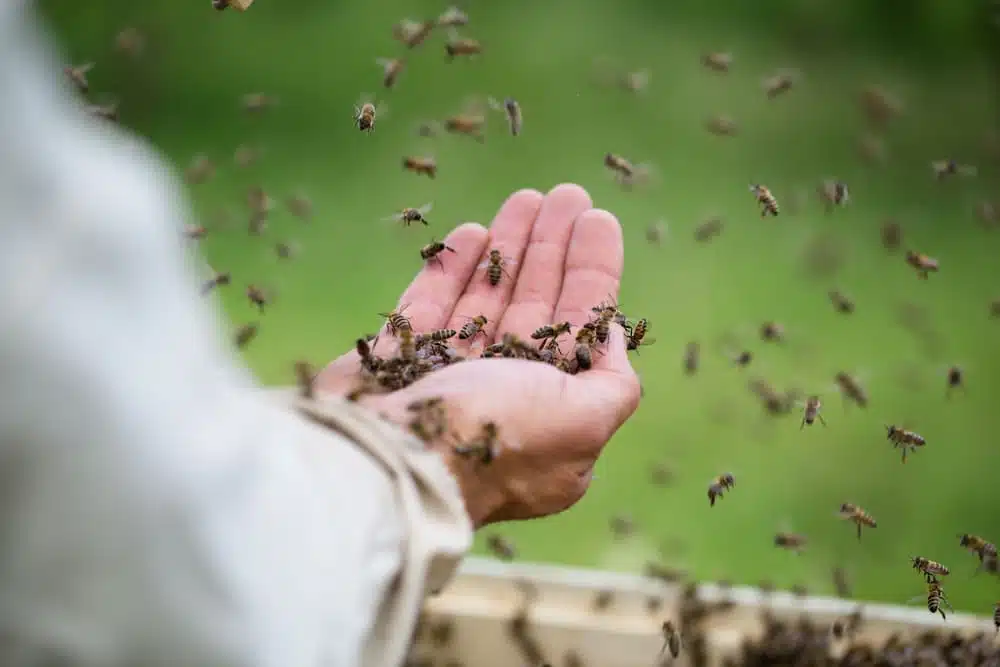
{"type": "Point", "coordinates": [257, 103]}
{"type": "Point", "coordinates": [929, 568]}
{"type": "Point", "coordinates": [656, 232]}
{"type": "Point", "coordinates": [195, 232]}
{"type": "Point", "coordinates": [259, 201]}
{"type": "Point", "coordinates": [995, 308]}
{"type": "Point", "coordinates": [996, 616]}
{"type": "Point", "coordinates": [239, 5]}
{"type": "Point", "coordinates": [421, 165]}
{"type": "Point", "coordinates": [772, 332]}
{"type": "Point", "coordinates": [637, 338]}
{"type": "Point", "coordinates": [945, 168]}
{"type": "Point", "coordinates": [907, 440]}
{"type": "Point", "coordinates": [851, 512]}
{"type": "Point", "coordinates": [286, 250]}
{"type": "Point", "coordinates": [717, 61]}
{"type": "Point", "coordinates": [512, 110]}
{"type": "Point", "coordinates": [396, 321]}
{"type": "Point", "coordinates": [956, 378]}
{"type": "Point", "coordinates": [811, 412]}
{"type": "Point", "coordinates": [892, 235]}
{"type": "Point", "coordinates": [485, 446]}
{"type": "Point", "coordinates": [300, 205]}
{"type": "Point", "coordinates": [708, 229]}
{"type": "Point", "coordinates": [436, 336]}
{"type": "Point", "coordinates": [257, 297]}
{"type": "Point", "coordinates": [721, 126]}
{"type": "Point", "coordinates": [245, 334]}
{"type": "Point", "coordinates": [851, 389]}
{"type": "Point", "coordinates": [719, 485]}
{"type": "Point", "coordinates": [602, 325]}
{"type": "Point", "coordinates": [460, 46]}
{"type": "Point", "coordinates": [220, 5]}
{"type": "Point", "coordinates": [936, 600]}
{"type": "Point", "coordinates": [220, 279]}
{"type": "Point", "coordinates": [625, 172]}
{"type": "Point", "coordinates": [635, 82]}
{"type": "Point", "coordinates": [791, 541]}
{"type": "Point", "coordinates": [768, 204]}
{"type": "Point", "coordinates": [432, 250]}
{"type": "Point", "coordinates": [407, 345]}
{"type": "Point", "coordinates": [833, 194]}
{"type": "Point", "coordinates": [369, 361]}
{"type": "Point", "coordinates": [453, 17]}
{"type": "Point", "coordinates": [923, 264]}
{"type": "Point", "coordinates": [104, 111]}
{"type": "Point", "coordinates": [879, 105]}
{"type": "Point", "coordinates": [469, 124]}
{"type": "Point", "coordinates": [841, 303]}
{"type": "Point", "coordinates": [743, 359]}
{"type": "Point", "coordinates": [364, 116]}
{"type": "Point", "coordinates": [692, 358]}
{"type": "Point", "coordinates": [495, 266]}
{"type": "Point", "coordinates": [305, 376]}
{"type": "Point", "coordinates": [412, 33]}
{"type": "Point", "coordinates": [840, 582]}
{"type": "Point", "coordinates": [778, 84]}
{"type": "Point", "coordinates": [586, 340]}
{"type": "Point", "coordinates": [501, 547]}
{"type": "Point", "coordinates": [473, 328]}
{"type": "Point", "coordinates": [550, 332]}
{"type": "Point", "coordinates": [77, 74]}
{"type": "Point", "coordinates": [408, 216]}
{"type": "Point", "coordinates": [391, 69]}
{"type": "Point", "coordinates": [671, 639]}
{"type": "Point", "coordinates": [986, 551]}
{"type": "Point", "coordinates": [131, 41]}
{"type": "Point", "coordinates": [200, 170]}
{"type": "Point", "coordinates": [430, 419]}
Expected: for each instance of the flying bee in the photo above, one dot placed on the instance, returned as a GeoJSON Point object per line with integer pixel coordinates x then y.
{"type": "Point", "coordinates": [391, 69]}
{"type": "Point", "coordinates": [453, 17]}
{"type": "Point", "coordinates": [851, 512]}
{"type": "Point", "coordinates": [431, 252]}
{"type": "Point", "coordinates": [412, 33]}
{"type": "Point", "coordinates": [407, 345]}
{"type": "Point", "coordinates": [833, 194]}
{"type": "Point", "coordinates": [257, 297]}
{"type": "Point", "coordinates": [300, 205]}
{"type": "Point", "coordinates": [396, 321]}
{"type": "Point", "coordinates": [245, 334]}
{"type": "Point", "coordinates": [936, 600]}
{"type": "Point", "coordinates": [851, 389]}
{"type": "Point", "coordinates": [879, 105]}
{"type": "Point", "coordinates": [791, 541]}
{"type": "Point", "coordinates": [945, 168]}
{"type": "Point", "coordinates": [892, 235]}
{"type": "Point", "coordinates": [220, 5]}
{"type": "Point", "coordinates": [719, 485]}
{"type": "Point", "coordinates": [778, 84]}
{"type": "Point", "coordinates": [550, 331]}
{"type": "Point", "coordinates": [586, 342]}
{"type": "Point", "coordinates": [743, 359]}
{"type": "Point", "coordinates": [708, 229]}
{"type": "Point", "coordinates": [772, 332]}
{"type": "Point", "coordinates": [77, 74]}
{"type": "Point", "coordinates": [501, 547]}
{"type": "Point", "coordinates": [195, 232]}
{"type": "Point", "coordinates": [638, 336]}
{"type": "Point", "coordinates": [257, 103]}
{"type": "Point", "coordinates": [471, 125]}
{"type": "Point", "coordinates": [717, 61]}
{"type": "Point", "coordinates": [902, 438]}
{"type": "Point", "coordinates": [929, 568]}
{"type": "Point", "coordinates": [421, 165]}
{"type": "Point", "coordinates": [656, 232]}
{"type": "Point", "coordinates": [721, 126]}
{"type": "Point", "coordinates": [626, 173]}
{"type": "Point", "coordinates": [259, 201]}
{"type": "Point", "coordinates": [671, 639]}
{"type": "Point", "coordinates": [510, 108]}
{"type": "Point", "coordinates": [286, 249]}
{"type": "Point", "coordinates": [485, 446]}
{"type": "Point", "coordinates": [841, 584]}
{"type": "Point", "coordinates": [408, 216]}
{"type": "Point", "coordinates": [460, 46]}
{"type": "Point", "coordinates": [220, 279]}
{"type": "Point", "coordinates": [768, 204]}
{"type": "Point", "coordinates": [995, 308]}
{"type": "Point", "coordinates": [692, 358]}
{"type": "Point", "coordinates": [635, 82]}
{"type": "Point", "coordinates": [841, 303]}
{"type": "Point", "coordinates": [131, 41]}
{"type": "Point", "coordinates": [986, 551]}
{"type": "Point", "coordinates": [104, 111]}
{"type": "Point", "coordinates": [811, 412]}
{"type": "Point", "coordinates": [495, 266]}
{"type": "Point", "coordinates": [473, 328]}
{"type": "Point", "coordinates": [956, 378]}
{"type": "Point", "coordinates": [923, 264]}
{"type": "Point", "coordinates": [246, 155]}
{"type": "Point", "coordinates": [305, 376]}
{"type": "Point", "coordinates": [364, 115]}
{"type": "Point", "coordinates": [200, 170]}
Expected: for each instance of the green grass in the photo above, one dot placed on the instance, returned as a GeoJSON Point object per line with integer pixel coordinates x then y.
{"type": "Point", "coordinates": [318, 57]}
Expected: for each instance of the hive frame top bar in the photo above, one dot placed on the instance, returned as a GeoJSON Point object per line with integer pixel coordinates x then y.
{"type": "Point", "coordinates": [486, 594]}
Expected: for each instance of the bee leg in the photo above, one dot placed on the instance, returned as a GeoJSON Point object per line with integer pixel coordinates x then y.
{"type": "Point", "coordinates": [803, 424]}
{"type": "Point", "coordinates": [859, 532]}
{"type": "Point", "coordinates": [821, 420]}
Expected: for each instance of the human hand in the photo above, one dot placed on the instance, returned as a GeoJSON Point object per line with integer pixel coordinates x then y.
{"type": "Point", "coordinates": [552, 425]}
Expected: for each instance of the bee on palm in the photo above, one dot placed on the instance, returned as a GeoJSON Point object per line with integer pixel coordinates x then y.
{"type": "Point", "coordinates": [858, 516]}
{"type": "Point", "coordinates": [637, 338]}
{"type": "Point", "coordinates": [586, 345]}
{"type": "Point", "coordinates": [550, 332]}
{"type": "Point", "coordinates": [396, 321]}
{"type": "Point", "coordinates": [432, 251]}
{"type": "Point", "coordinates": [768, 203]}
{"type": "Point", "coordinates": [408, 216]}
{"type": "Point", "coordinates": [719, 486]}
{"type": "Point", "coordinates": [496, 267]}
{"type": "Point", "coordinates": [901, 438]}
{"type": "Point", "coordinates": [474, 327]}
{"type": "Point", "coordinates": [484, 447]}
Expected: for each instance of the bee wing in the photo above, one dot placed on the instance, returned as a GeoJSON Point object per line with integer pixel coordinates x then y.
{"type": "Point", "coordinates": [484, 264]}
{"type": "Point", "coordinates": [921, 598]}
{"type": "Point", "coordinates": [426, 208]}
{"type": "Point", "coordinates": [385, 63]}
{"type": "Point", "coordinates": [395, 217]}
{"type": "Point", "coordinates": [509, 260]}
{"type": "Point", "coordinates": [967, 170]}
{"type": "Point", "coordinates": [495, 104]}
{"type": "Point", "coordinates": [85, 67]}
{"type": "Point", "coordinates": [648, 341]}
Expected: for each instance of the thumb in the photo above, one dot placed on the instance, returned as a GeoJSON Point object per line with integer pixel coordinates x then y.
{"type": "Point", "coordinates": [608, 393]}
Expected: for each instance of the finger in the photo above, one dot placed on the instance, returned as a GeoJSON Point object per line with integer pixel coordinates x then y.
{"type": "Point", "coordinates": [609, 393]}
{"type": "Point", "coordinates": [540, 280]}
{"type": "Point", "coordinates": [593, 266]}
{"type": "Point", "coordinates": [509, 234]}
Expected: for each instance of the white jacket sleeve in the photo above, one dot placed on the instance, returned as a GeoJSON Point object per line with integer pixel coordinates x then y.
{"type": "Point", "coordinates": [156, 507]}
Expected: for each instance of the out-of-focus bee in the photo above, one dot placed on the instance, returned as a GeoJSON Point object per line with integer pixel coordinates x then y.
{"type": "Point", "coordinates": [550, 331]}
{"type": "Point", "coordinates": [956, 378]}
{"type": "Point", "coordinates": [369, 361]}
{"type": "Point", "coordinates": [460, 46]}
{"type": "Point", "coordinates": [923, 264]}
{"type": "Point", "coordinates": [791, 541]}
{"type": "Point", "coordinates": [772, 332]}
{"type": "Point", "coordinates": [246, 155]}
{"type": "Point", "coordinates": [944, 168]}
{"type": "Point", "coordinates": [408, 216]}
{"type": "Point", "coordinates": [305, 377]}
{"type": "Point", "coordinates": [495, 266]}
{"type": "Point", "coordinates": [811, 412]}
{"type": "Point", "coordinates": [412, 33]}
{"type": "Point", "coordinates": [131, 41]}
{"type": "Point", "coordinates": [902, 438]}
{"type": "Point", "coordinates": [743, 359]}
{"type": "Point", "coordinates": [259, 201]}
{"type": "Point", "coordinates": [471, 123]}
{"type": "Point", "coordinates": [300, 205]}
{"type": "Point", "coordinates": [936, 600]}
{"type": "Point", "coordinates": [851, 512]}
{"type": "Point", "coordinates": [77, 74]}
{"type": "Point", "coordinates": [501, 547]}
{"type": "Point", "coordinates": [200, 170]}
{"type": "Point", "coordinates": [892, 235]}
{"type": "Point", "coordinates": [661, 474]}
{"type": "Point", "coordinates": [364, 114]}
{"type": "Point", "coordinates": [421, 165]}
{"type": "Point", "coordinates": [430, 417]}
{"type": "Point", "coordinates": [195, 232]}
{"type": "Point", "coordinates": [840, 582]}
{"type": "Point", "coordinates": [256, 103]}
{"type": "Point", "coordinates": [622, 526]}
{"type": "Point", "coordinates": [609, 73]}
{"type": "Point", "coordinates": [396, 321]}
{"type": "Point", "coordinates": [431, 252]}
{"type": "Point", "coordinates": [637, 81]}
{"type": "Point", "coordinates": [453, 17]}
{"type": "Point", "coordinates": [473, 328]}
{"type": "Point", "coordinates": [220, 279]}
{"type": "Point", "coordinates": [104, 111]}
{"type": "Point", "coordinates": [692, 358]}
{"type": "Point", "coordinates": [626, 173]}
{"type": "Point", "coordinates": [245, 334]}
{"type": "Point", "coordinates": [851, 389]}
{"type": "Point", "coordinates": [671, 639]}
{"type": "Point", "coordinates": [929, 568]}
{"type": "Point", "coordinates": [512, 110]}
{"type": "Point", "coordinates": [257, 297]}
{"type": "Point", "coordinates": [407, 345]}
{"type": "Point", "coordinates": [841, 303]}
{"type": "Point", "coordinates": [995, 308]}
{"type": "Point", "coordinates": [391, 69]}
{"type": "Point", "coordinates": [872, 149]}
{"type": "Point", "coordinates": [656, 232]}
{"type": "Point", "coordinates": [603, 599]}
{"type": "Point", "coordinates": [986, 551]}
{"type": "Point", "coordinates": [220, 5]}
{"type": "Point", "coordinates": [721, 126]}
{"type": "Point", "coordinates": [779, 83]}
{"type": "Point", "coordinates": [719, 485]}
{"type": "Point", "coordinates": [708, 229]}
{"type": "Point", "coordinates": [988, 214]}
{"type": "Point", "coordinates": [879, 105]}
{"type": "Point", "coordinates": [637, 338]}
{"type": "Point", "coordinates": [485, 446]}
{"type": "Point", "coordinates": [833, 194]}
{"type": "Point", "coordinates": [286, 250]}
{"type": "Point", "coordinates": [586, 341]}
{"type": "Point", "coordinates": [717, 61]}
{"type": "Point", "coordinates": [768, 204]}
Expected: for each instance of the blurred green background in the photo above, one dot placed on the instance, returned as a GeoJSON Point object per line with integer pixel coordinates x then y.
{"type": "Point", "coordinates": [183, 93]}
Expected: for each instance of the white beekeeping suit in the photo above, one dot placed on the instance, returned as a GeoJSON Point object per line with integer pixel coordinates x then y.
{"type": "Point", "coordinates": [156, 507]}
